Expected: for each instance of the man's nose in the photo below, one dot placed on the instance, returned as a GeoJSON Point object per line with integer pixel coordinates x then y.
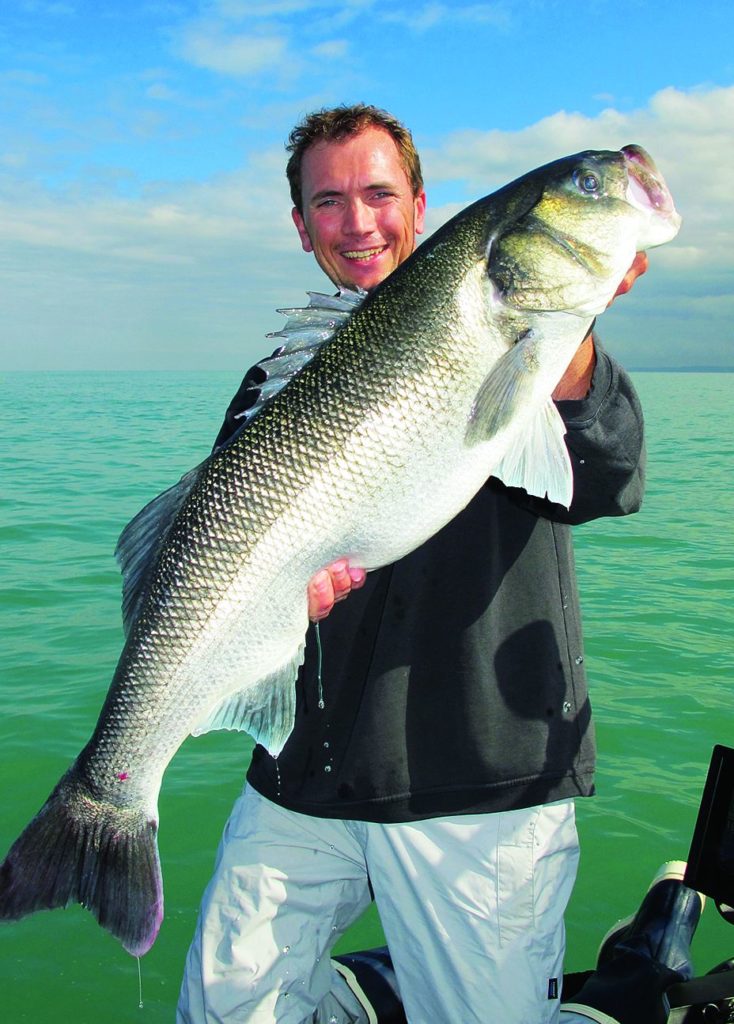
{"type": "Point", "coordinates": [359, 218]}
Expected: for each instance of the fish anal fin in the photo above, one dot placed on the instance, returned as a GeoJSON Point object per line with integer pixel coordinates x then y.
{"type": "Point", "coordinates": [266, 710]}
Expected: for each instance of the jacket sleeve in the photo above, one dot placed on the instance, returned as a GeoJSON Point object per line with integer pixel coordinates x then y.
{"type": "Point", "coordinates": [605, 439]}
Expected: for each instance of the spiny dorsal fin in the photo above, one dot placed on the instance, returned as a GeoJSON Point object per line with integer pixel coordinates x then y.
{"type": "Point", "coordinates": [141, 540]}
{"type": "Point", "coordinates": [306, 330]}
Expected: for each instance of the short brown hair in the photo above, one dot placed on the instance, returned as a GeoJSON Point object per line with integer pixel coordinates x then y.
{"type": "Point", "coordinates": [335, 124]}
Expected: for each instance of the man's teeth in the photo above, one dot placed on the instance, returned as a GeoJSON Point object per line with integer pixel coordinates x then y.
{"type": "Point", "coordinates": [362, 254]}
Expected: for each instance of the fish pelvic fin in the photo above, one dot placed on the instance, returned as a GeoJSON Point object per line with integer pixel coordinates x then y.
{"type": "Point", "coordinates": [80, 850]}
{"type": "Point", "coordinates": [537, 459]}
{"type": "Point", "coordinates": [266, 710]}
{"type": "Point", "coordinates": [540, 463]}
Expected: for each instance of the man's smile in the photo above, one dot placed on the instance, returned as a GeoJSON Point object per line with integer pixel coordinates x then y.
{"type": "Point", "coordinates": [363, 254]}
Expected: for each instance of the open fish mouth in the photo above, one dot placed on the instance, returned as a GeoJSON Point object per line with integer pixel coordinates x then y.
{"type": "Point", "coordinates": [647, 186]}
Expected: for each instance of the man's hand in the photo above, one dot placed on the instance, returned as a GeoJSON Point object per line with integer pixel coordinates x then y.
{"type": "Point", "coordinates": [576, 381]}
{"type": "Point", "coordinates": [330, 585]}
{"type": "Point", "coordinates": [638, 268]}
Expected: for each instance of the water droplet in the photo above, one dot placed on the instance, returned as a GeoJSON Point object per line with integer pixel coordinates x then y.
{"type": "Point", "coordinates": [286, 949]}
{"type": "Point", "coordinates": [326, 745]}
{"type": "Point", "coordinates": [327, 768]}
{"type": "Point", "coordinates": [566, 706]}
{"type": "Point", "coordinates": [579, 660]}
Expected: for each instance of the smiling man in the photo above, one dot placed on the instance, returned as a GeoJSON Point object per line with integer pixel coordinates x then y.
{"type": "Point", "coordinates": [439, 774]}
{"type": "Point", "coordinates": [356, 210]}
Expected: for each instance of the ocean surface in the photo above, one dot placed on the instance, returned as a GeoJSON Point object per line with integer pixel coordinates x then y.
{"type": "Point", "coordinates": [81, 453]}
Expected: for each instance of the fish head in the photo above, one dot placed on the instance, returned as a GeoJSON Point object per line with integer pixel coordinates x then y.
{"type": "Point", "coordinates": [577, 234]}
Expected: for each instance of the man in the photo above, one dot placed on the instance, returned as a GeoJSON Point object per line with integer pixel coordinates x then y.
{"type": "Point", "coordinates": [438, 773]}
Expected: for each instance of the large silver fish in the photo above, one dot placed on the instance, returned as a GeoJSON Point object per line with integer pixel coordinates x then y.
{"type": "Point", "coordinates": [363, 445]}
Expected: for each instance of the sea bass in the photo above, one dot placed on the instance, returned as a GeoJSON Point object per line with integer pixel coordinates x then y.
{"type": "Point", "coordinates": [381, 417]}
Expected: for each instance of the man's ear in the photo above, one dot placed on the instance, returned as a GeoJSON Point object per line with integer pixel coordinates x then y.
{"type": "Point", "coordinates": [302, 230]}
{"type": "Point", "coordinates": [419, 205]}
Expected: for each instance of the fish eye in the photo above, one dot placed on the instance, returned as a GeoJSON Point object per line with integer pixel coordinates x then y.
{"type": "Point", "coordinates": [587, 181]}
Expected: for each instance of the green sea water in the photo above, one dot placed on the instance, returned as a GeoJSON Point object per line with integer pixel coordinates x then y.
{"type": "Point", "coordinates": [81, 453]}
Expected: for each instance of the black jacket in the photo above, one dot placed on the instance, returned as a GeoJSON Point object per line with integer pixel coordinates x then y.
{"type": "Point", "coordinates": [454, 682]}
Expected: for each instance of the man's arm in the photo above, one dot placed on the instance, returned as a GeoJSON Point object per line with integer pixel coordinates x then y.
{"type": "Point", "coordinates": [576, 381]}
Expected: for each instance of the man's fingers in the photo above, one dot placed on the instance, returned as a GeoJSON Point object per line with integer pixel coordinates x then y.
{"type": "Point", "coordinates": [357, 576]}
{"type": "Point", "coordinates": [330, 585]}
{"type": "Point", "coordinates": [638, 268]}
{"type": "Point", "coordinates": [320, 596]}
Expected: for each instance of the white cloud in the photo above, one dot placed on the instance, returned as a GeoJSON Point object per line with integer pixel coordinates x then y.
{"type": "Point", "coordinates": [20, 76]}
{"type": "Point", "coordinates": [240, 9]}
{"type": "Point", "coordinates": [48, 8]}
{"type": "Point", "coordinates": [433, 15]}
{"type": "Point", "coordinates": [161, 92]}
{"type": "Point", "coordinates": [335, 49]}
{"type": "Point", "coordinates": [241, 55]}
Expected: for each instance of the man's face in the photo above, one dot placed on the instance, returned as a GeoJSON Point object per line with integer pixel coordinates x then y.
{"type": "Point", "coordinates": [360, 216]}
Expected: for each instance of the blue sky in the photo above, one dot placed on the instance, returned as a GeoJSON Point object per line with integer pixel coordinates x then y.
{"type": "Point", "coordinates": [144, 213]}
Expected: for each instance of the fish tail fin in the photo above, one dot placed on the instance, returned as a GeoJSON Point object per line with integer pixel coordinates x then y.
{"type": "Point", "coordinates": [79, 849]}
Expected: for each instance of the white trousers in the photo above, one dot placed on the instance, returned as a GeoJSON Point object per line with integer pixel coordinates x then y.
{"type": "Point", "coordinates": [472, 909]}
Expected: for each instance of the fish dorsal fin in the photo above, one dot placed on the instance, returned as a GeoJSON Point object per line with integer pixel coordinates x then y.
{"type": "Point", "coordinates": [306, 331]}
{"type": "Point", "coordinates": [538, 460]}
{"type": "Point", "coordinates": [139, 543]}
{"type": "Point", "coordinates": [266, 711]}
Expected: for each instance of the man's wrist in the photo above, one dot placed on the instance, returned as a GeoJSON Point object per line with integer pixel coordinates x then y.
{"type": "Point", "coordinates": [574, 385]}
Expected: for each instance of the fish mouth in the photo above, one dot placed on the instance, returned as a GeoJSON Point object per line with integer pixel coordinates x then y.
{"type": "Point", "coordinates": [647, 186]}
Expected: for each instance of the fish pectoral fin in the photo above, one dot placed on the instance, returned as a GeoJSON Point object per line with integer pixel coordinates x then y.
{"type": "Point", "coordinates": [538, 459]}
{"type": "Point", "coordinates": [508, 386]}
{"type": "Point", "coordinates": [541, 463]}
{"type": "Point", "coordinates": [266, 710]}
